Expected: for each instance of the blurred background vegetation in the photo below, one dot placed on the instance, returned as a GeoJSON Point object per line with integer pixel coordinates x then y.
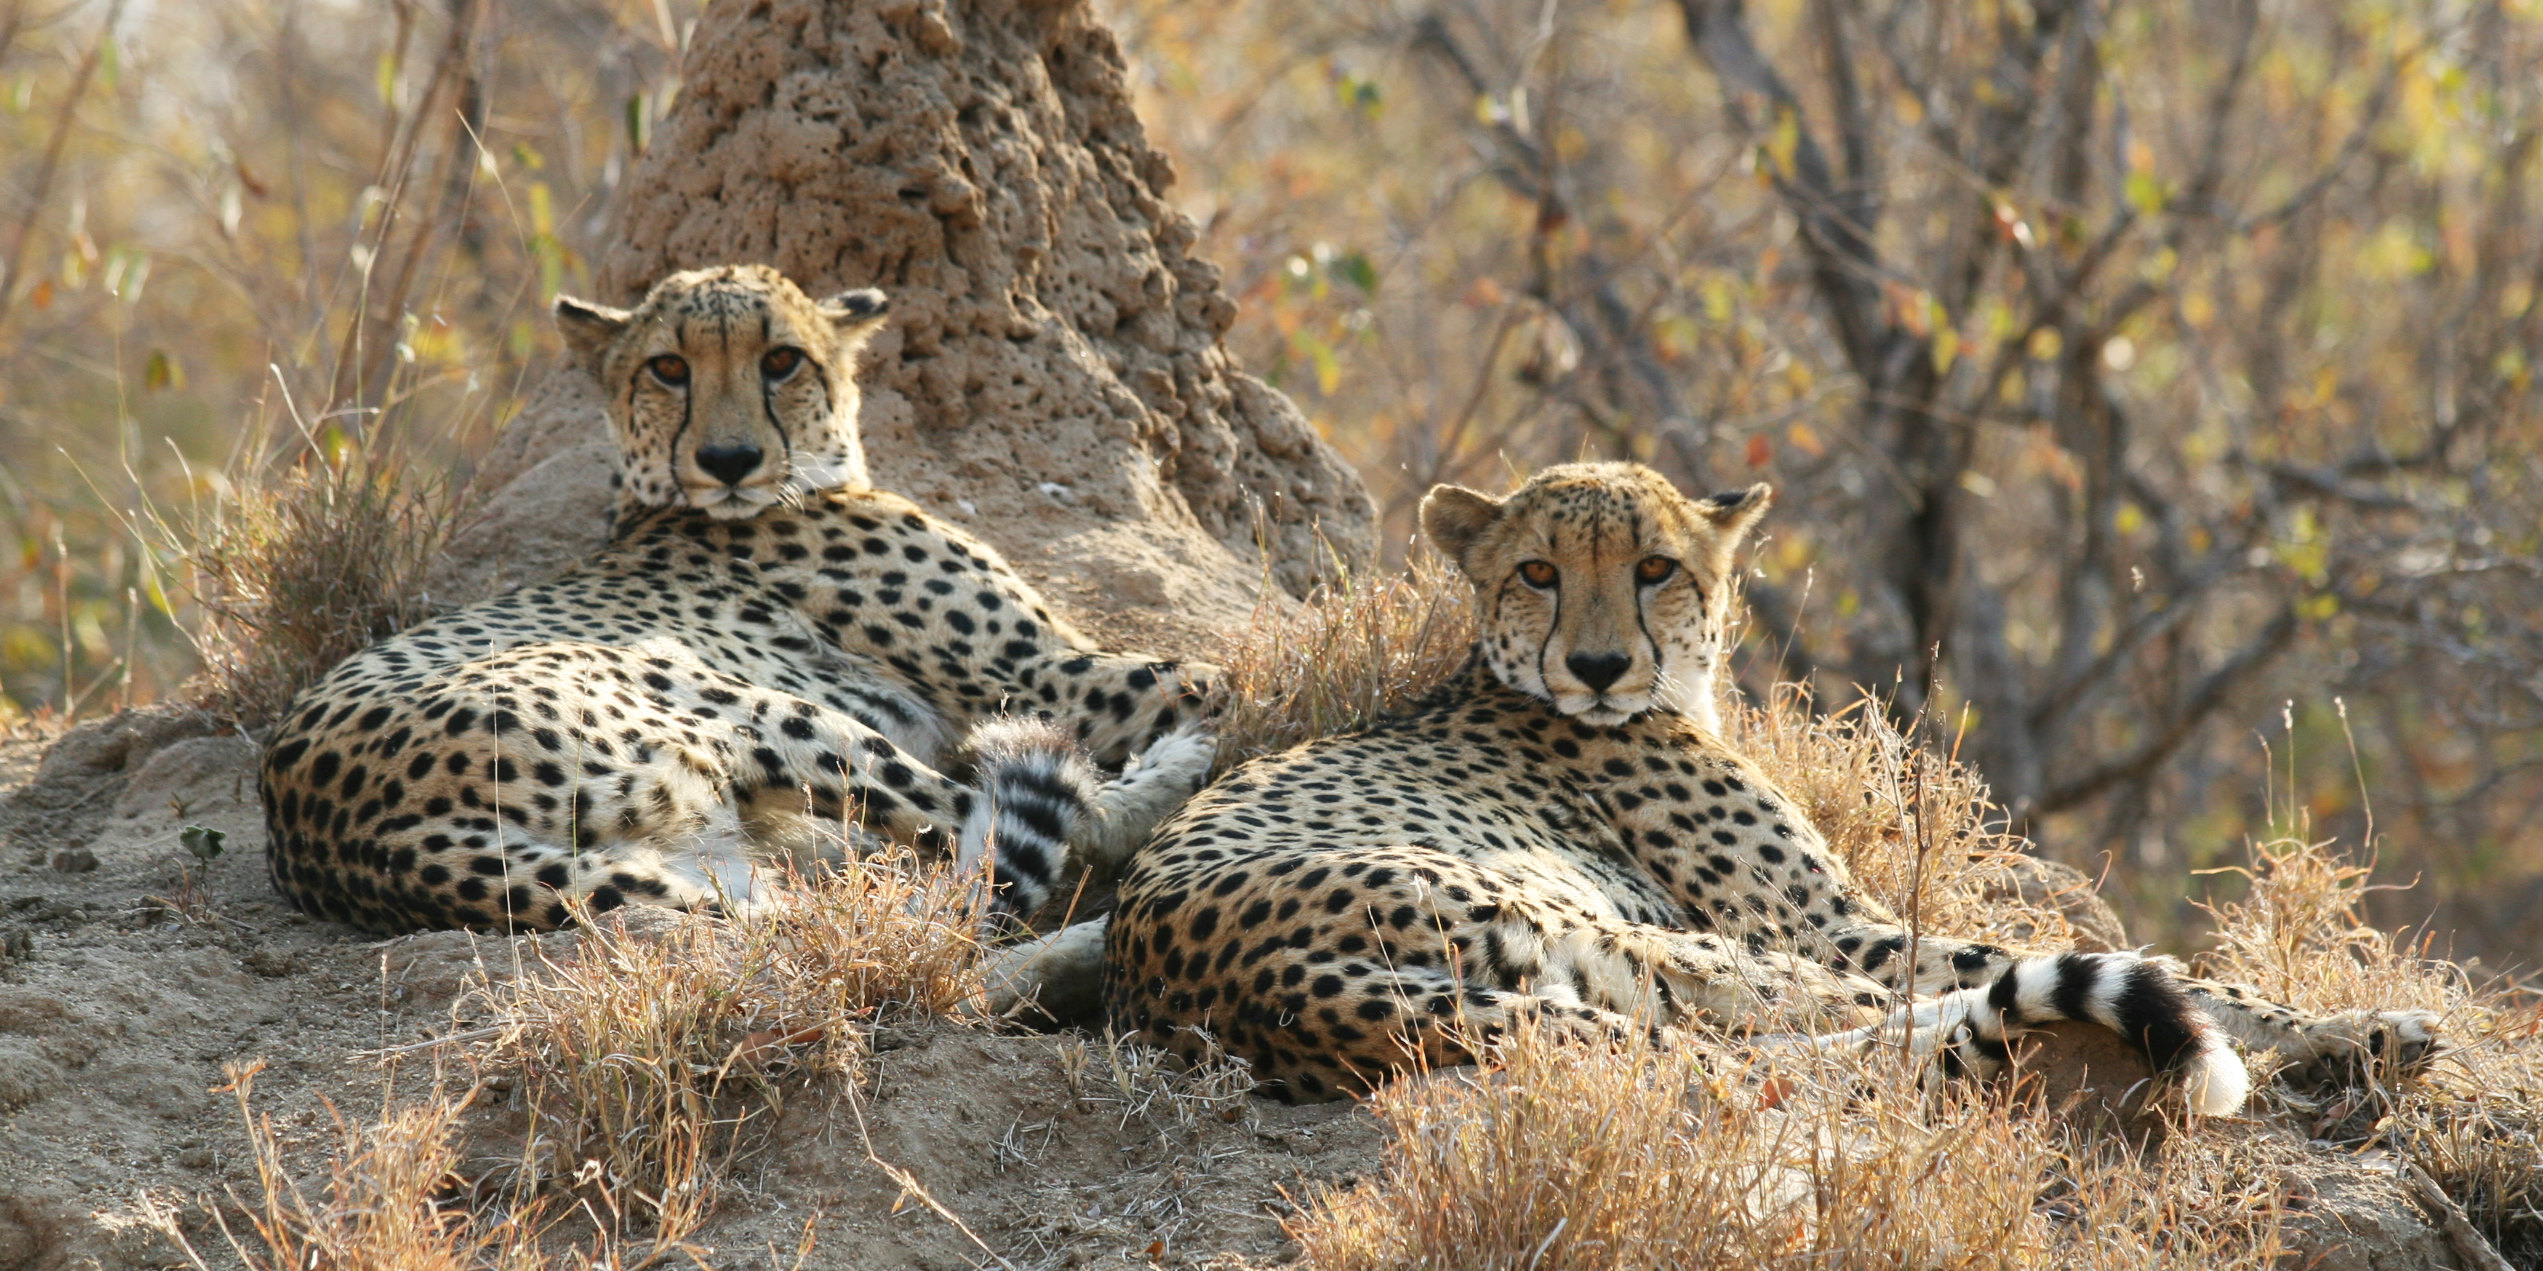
{"type": "Point", "coordinates": [2148, 384]}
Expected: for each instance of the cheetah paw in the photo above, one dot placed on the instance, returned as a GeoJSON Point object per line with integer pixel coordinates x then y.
{"type": "Point", "coordinates": [1130, 807]}
{"type": "Point", "coordinates": [1185, 754]}
{"type": "Point", "coordinates": [2403, 1042]}
{"type": "Point", "coordinates": [1060, 974]}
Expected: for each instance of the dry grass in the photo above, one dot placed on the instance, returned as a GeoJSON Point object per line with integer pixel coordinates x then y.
{"type": "Point", "coordinates": [394, 1199]}
{"type": "Point", "coordinates": [2475, 1123]}
{"type": "Point", "coordinates": [1361, 646]}
{"type": "Point", "coordinates": [1564, 1156]}
{"type": "Point", "coordinates": [1916, 829]}
{"type": "Point", "coordinates": [1135, 1082]}
{"type": "Point", "coordinates": [650, 1058]}
{"type": "Point", "coordinates": [300, 571]}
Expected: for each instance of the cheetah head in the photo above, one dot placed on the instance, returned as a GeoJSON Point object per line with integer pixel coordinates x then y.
{"type": "Point", "coordinates": [1600, 588]}
{"type": "Point", "coordinates": [729, 389]}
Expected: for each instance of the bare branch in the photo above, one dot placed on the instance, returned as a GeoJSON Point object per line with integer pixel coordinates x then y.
{"type": "Point", "coordinates": [2212, 692]}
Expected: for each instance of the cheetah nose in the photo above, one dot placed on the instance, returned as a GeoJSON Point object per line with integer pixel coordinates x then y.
{"type": "Point", "coordinates": [1599, 670]}
{"type": "Point", "coordinates": [729, 464]}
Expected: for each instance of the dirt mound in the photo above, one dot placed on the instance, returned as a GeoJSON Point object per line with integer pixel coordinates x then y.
{"type": "Point", "coordinates": [1052, 375]}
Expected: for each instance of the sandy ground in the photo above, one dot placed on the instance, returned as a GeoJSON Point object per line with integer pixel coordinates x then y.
{"type": "Point", "coordinates": [125, 988]}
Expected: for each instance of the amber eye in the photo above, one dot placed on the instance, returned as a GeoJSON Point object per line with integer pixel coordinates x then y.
{"type": "Point", "coordinates": [1537, 574]}
{"type": "Point", "coordinates": [1654, 569]}
{"type": "Point", "coordinates": [670, 368]}
{"type": "Point", "coordinates": [779, 363]}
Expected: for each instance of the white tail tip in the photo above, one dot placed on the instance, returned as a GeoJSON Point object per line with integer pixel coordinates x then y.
{"type": "Point", "coordinates": [2216, 1081]}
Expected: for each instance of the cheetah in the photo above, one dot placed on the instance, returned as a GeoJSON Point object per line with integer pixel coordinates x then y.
{"type": "Point", "coordinates": [1560, 835]}
{"type": "Point", "coordinates": [767, 650]}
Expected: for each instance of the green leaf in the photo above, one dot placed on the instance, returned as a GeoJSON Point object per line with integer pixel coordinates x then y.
{"type": "Point", "coordinates": [1355, 269]}
{"type": "Point", "coordinates": [639, 123]}
{"type": "Point", "coordinates": [204, 843]}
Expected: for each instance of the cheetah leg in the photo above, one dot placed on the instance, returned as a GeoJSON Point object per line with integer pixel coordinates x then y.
{"type": "Point", "coordinates": [2323, 1050]}
{"type": "Point", "coordinates": [708, 868]}
{"type": "Point", "coordinates": [1130, 807]}
{"type": "Point", "coordinates": [1116, 705]}
{"type": "Point", "coordinates": [1061, 973]}
{"type": "Point", "coordinates": [2142, 999]}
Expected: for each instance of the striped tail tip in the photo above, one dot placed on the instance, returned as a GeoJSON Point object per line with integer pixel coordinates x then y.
{"type": "Point", "coordinates": [2140, 999]}
{"type": "Point", "coordinates": [1032, 788]}
{"type": "Point", "coordinates": [2144, 1000]}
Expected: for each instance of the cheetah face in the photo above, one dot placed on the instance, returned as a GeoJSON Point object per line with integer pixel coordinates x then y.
{"type": "Point", "coordinates": [1600, 588]}
{"type": "Point", "coordinates": [729, 389]}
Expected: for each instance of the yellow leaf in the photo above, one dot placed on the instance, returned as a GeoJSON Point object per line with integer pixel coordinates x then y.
{"type": "Point", "coordinates": [1806, 440]}
{"type": "Point", "coordinates": [1785, 141]}
{"type": "Point", "coordinates": [1946, 348]}
{"type": "Point", "coordinates": [1717, 301]}
{"type": "Point", "coordinates": [2044, 344]}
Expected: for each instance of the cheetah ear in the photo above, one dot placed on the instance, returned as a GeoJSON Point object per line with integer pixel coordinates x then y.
{"type": "Point", "coordinates": [588, 328]}
{"type": "Point", "coordinates": [1455, 517]}
{"type": "Point", "coordinates": [1735, 512]}
{"type": "Point", "coordinates": [856, 315]}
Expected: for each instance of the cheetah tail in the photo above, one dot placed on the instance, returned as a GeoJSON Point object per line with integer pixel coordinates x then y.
{"type": "Point", "coordinates": [2139, 999]}
{"type": "Point", "coordinates": [1034, 788]}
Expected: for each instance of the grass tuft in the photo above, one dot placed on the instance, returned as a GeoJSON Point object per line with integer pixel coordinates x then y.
{"type": "Point", "coordinates": [1362, 646]}
{"type": "Point", "coordinates": [297, 572]}
{"type": "Point", "coordinates": [2474, 1123]}
{"type": "Point", "coordinates": [394, 1199]}
{"type": "Point", "coordinates": [1562, 1155]}
{"type": "Point", "coordinates": [653, 1052]}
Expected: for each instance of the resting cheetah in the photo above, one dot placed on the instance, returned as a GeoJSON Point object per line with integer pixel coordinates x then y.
{"type": "Point", "coordinates": [1560, 834]}
{"type": "Point", "coordinates": [767, 649]}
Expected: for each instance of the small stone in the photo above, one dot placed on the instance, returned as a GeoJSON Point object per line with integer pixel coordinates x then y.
{"type": "Point", "coordinates": [77, 860]}
{"type": "Point", "coordinates": [195, 1158]}
{"type": "Point", "coordinates": [268, 961]}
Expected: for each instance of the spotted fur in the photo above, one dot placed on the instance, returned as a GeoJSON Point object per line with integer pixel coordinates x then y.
{"type": "Point", "coordinates": [769, 660]}
{"type": "Point", "coordinates": [1561, 835]}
